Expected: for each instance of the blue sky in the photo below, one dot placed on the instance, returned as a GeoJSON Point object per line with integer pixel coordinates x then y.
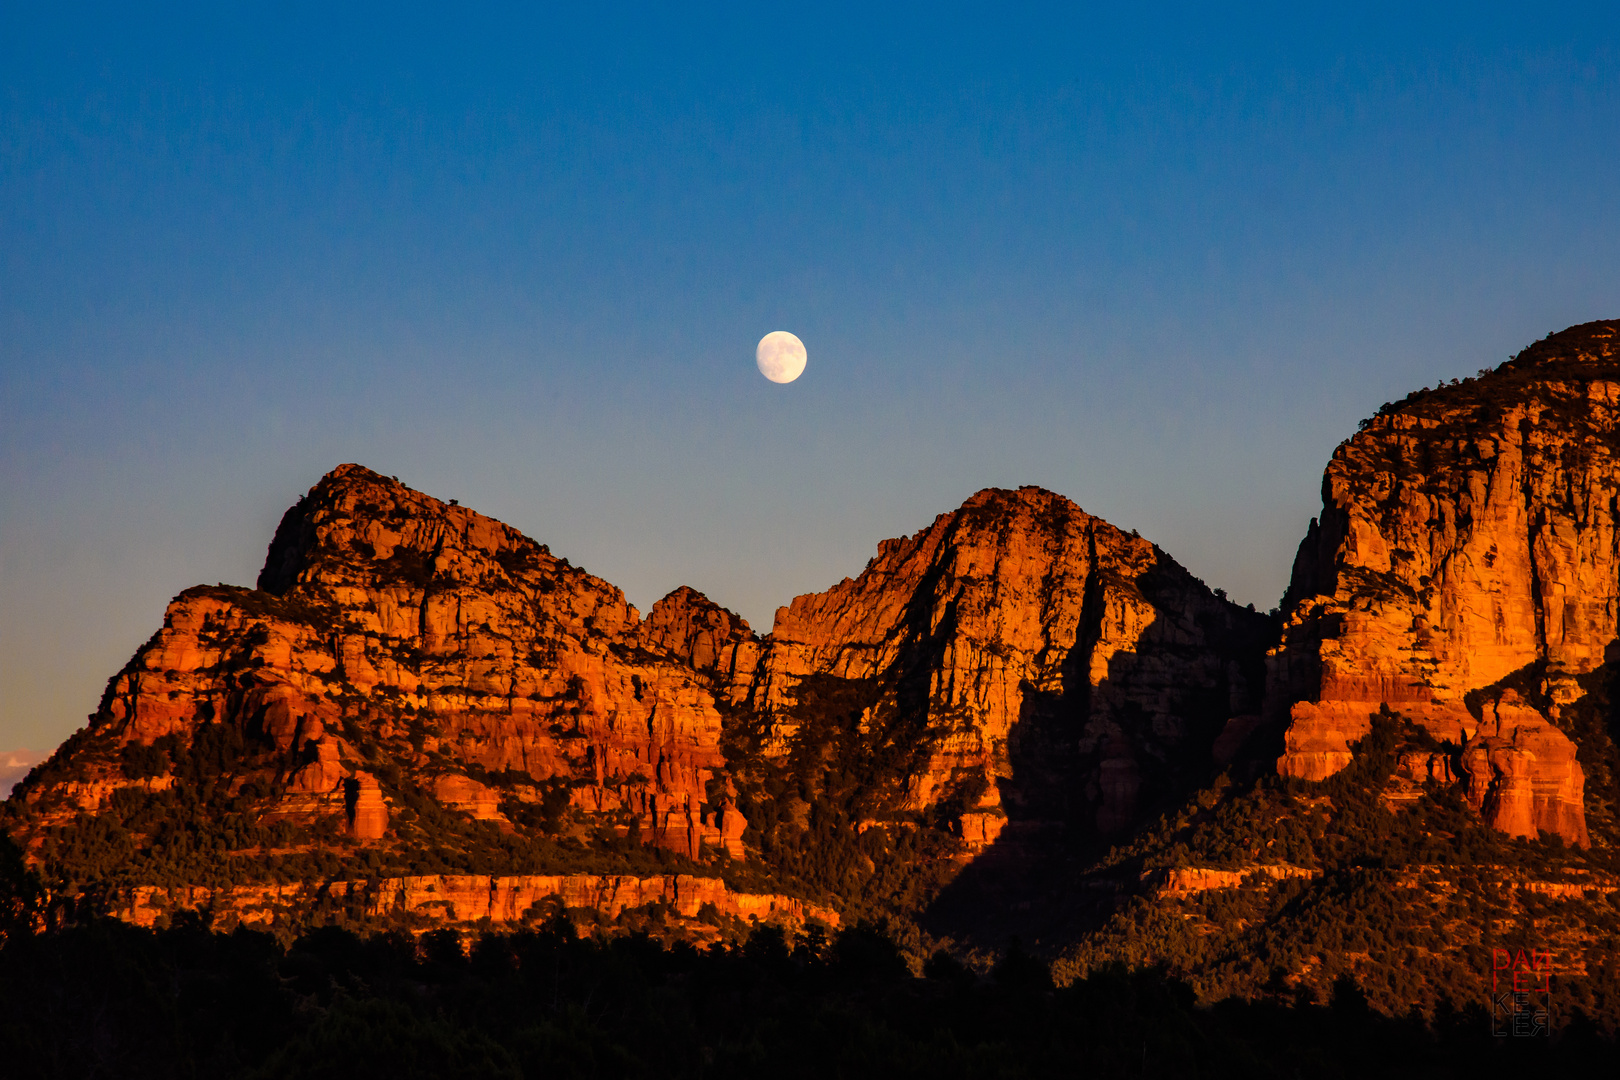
{"type": "Point", "coordinates": [1160, 260]}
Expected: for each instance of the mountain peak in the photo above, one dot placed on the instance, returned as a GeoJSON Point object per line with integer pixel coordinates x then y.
{"type": "Point", "coordinates": [1017, 619]}
{"type": "Point", "coordinates": [355, 527]}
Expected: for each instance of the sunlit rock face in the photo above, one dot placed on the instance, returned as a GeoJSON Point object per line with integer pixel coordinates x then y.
{"type": "Point", "coordinates": [714, 642]}
{"type": "Point", "coordinates": [1017, 664]}
{"type": "Point", "coordinates": [454, 645]}
{"type": "Point", "coordinates": [1464, 572]}
{"type": "Point", "coordinates": [1052, 668]}
{"type": "Point", "coordinates": [470, 900]}
{"type": "Point", "coordinates": [1025, 663]}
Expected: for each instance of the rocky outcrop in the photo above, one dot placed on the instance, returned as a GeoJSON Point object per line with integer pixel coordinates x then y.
{"type": "Point", "coordinates": [1056, 669]}
{"type": "Point", "coordinates": [467, 795]}
{"type": "Point", "coordinates": [714, 642]}
{"type": "Point", "coordinates": [397, 640]}
{"type": "Point", "coordinates": [1191, 880]}
{"type": "Point", "coordinates": [1570, 890]}
{"type": "Point", "coordinates": [14, 765]}
{"type": "Point", "coordinates": [464, 899]}
{"type": "Point", "coordinates": [1464, 572]}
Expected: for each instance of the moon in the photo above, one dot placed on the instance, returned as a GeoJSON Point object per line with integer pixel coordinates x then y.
{"type": "Point", "coordinates": [780, 356]}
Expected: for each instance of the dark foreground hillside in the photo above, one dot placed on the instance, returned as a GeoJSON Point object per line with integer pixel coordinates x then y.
{"type": "Point", "coordinates": [1398, 886]}
{"type": "Point", "coordinates": [103, 998]}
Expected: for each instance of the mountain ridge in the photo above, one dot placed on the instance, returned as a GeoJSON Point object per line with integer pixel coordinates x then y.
{"type": "Point", "coordinates": [1017, 720]}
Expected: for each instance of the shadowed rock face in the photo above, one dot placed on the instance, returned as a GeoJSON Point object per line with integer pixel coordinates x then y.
{"type": "Point", "coordinates": [1053, 669]}
{"type": "Point", "coordinates": [1467, 541]}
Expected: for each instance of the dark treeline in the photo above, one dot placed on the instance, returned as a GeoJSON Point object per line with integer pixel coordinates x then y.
{"type": "Point", "coordinates": [101, 998]}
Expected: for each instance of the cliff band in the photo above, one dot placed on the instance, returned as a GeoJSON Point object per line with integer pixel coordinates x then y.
{"type": "Point", "coordinates": [1464, 572]}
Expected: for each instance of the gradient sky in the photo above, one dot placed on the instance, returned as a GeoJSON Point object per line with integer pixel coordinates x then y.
{"type": "Point", "coordinates": [1157, 259]}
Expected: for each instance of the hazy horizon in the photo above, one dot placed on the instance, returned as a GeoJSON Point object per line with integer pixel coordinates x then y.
{"type": "Point", "coordinates": [1158, 263]}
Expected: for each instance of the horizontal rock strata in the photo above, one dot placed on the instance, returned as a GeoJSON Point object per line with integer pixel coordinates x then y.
{"type": "Point", "coordinates": [454, 899]}
{"type": "Point", "coordinates": [1188, 880]}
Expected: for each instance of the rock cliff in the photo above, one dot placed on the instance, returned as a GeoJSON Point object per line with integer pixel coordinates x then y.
{"type": "Point", "coordinates": [1022, 661]}
{"type": "Point", "coordinates": [470, 900]}
{"type": "Point", "coordinates": [427, 681]}
{"type": "Point", "coordinates": [714, 642]}
{"type": "Point", "coordinates": [398, 645]}
{"type": "Point", "coordinates": [417, 693]}
{"type": "Point", "coordinates": [1464, 571]}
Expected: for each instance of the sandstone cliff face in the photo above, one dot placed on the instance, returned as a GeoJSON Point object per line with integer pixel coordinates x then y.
{"type": "Point", "coordinates": [391, 629]}
{"type": "Point", "coordinates": [1467, 542]}
{"type": "Point", "coordinates": [1053, 668]}
{"type": "Point", "coordinates": [473, 899]}
{"type": "Point", "coordinates": [1018, 661]}
{"type": "Point", "coordinates": [1016, 669]}
{"type": "Point", "coordinates": [714, 642]}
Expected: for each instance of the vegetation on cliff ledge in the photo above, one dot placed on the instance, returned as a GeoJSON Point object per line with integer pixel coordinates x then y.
{"type": "Point", "coordinates": [1405, 896]}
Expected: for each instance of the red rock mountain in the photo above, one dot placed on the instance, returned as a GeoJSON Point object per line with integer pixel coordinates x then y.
{"type": "Point", "coordinates": [1039, 663]}
{"type": "Point", "coordinates": [389, 626]}
{"type": "Point", "coordinates": [1464, 571]}
{"type": "Point", "coordinates": [408, 670]}
{"type": "Point", "coordinates": [1050, 668]}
